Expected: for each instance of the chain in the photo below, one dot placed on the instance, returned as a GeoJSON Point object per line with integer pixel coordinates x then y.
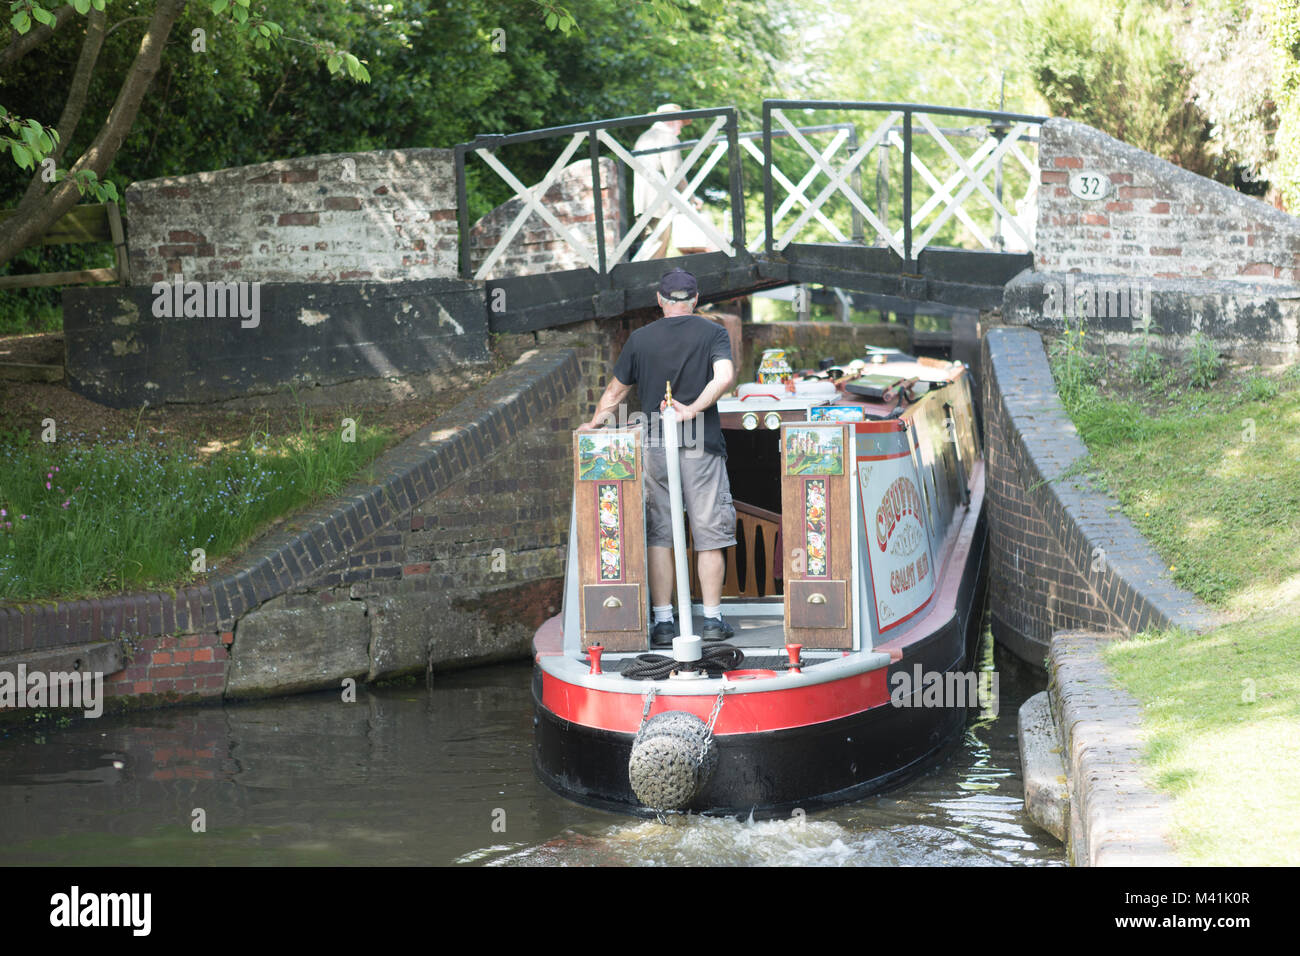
{"type": "Point", "coordinates": [717, 709]}
{"type": "Point", "coordinates": [649, 702]}
{"type": "Point", "coordinates": [713, 719]}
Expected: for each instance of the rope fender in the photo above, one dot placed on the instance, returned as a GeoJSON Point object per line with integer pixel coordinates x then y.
{"type": "Point", "coordinates": [673, 757]}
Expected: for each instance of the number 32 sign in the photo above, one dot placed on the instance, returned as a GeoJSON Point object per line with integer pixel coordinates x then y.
{"type": "Point", "coordinates": [1086, 184]}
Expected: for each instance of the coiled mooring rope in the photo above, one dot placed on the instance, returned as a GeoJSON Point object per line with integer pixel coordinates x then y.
{"type": "Point", "coordinates": [715, 659]}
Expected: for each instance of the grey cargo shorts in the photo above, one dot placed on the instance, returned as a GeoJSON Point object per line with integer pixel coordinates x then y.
{"type": "Point", "coordinates": [706, 497]}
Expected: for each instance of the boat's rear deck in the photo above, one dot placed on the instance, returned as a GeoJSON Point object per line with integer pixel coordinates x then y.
{"type": "Point", "coordinates": [761, 636]}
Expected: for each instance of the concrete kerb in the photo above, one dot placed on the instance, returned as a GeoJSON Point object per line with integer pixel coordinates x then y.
{"type": "Point", "coordinates": [1115, 817]}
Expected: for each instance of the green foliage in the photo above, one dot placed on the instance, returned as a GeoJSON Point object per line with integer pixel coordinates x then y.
{"type": "Point", "coordinates": [1226, 45]}
{"type": "Point", "coordinates": [1204, 364]}
{"type": "Point", "coordinates": [40, 309]}
{"type": "Point", "coordinates": [1146, 365]}
{"type": "Point", "coordinates": [1258, 388]}
{"type": "Point", "coordinates": [1286, 78]}
{"type": "Point", "coordinates": [944, 52]}
{"type": "Point", "coordinates": [1114, 65]}
{"type": "Point", "coordinates": [1076, 370]}
{"type": "Point", "coordinates": [949, 52]}
{"type": "Point", "coordinates": [438, 73]}
{"type": "Point", "coordinates": [30, 142]}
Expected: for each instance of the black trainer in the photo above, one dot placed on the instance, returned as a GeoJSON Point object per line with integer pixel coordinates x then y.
{"type": "Point", "coordinates": [717, 629]}
{"type": "Point", "coordinates": [663, 634]}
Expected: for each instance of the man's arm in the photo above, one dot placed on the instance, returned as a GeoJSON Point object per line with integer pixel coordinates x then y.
{"type": "Point", "coordinates": [724, 376]}
{"type": "Point", "coordinates": [613, 396]}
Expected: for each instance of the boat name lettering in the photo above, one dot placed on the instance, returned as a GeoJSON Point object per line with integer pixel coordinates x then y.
{"type": "Point", "coordinates": [899, 499]}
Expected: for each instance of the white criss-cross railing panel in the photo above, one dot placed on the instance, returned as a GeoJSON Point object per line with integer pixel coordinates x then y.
{"type": "Point", "coordinates": [531, 197]}
{"type": "Point", "coordinates": [839, 181]}
{"type": "Point", "coordinates": [970, 174]}
{"type": "Point", "coordinates": [795, 191]}
{"type": "Point", "coordinates": [666, 190]}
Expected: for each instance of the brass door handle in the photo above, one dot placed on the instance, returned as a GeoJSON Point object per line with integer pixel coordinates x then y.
{"type": "Point", "coordinates": [612, 601]}
{"type": "Point", "coordinates": [817, 598]}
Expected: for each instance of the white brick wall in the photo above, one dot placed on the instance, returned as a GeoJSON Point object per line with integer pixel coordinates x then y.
{"type": "Point", "coordinates": [377, 216]}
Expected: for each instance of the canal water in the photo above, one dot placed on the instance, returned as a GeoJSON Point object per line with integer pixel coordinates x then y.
{"type": "Point", "coordinates": [442, 775]}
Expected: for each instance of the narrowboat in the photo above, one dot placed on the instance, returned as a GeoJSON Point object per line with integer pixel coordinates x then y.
{"type": "Point", "coordinates": [855, 591]}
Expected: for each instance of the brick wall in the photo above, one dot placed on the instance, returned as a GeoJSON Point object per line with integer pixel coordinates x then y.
{"type": "Point", "coordinates": [173, 665]}
{"type": "Point", "coordinates": [1062, 557]}
{"type": "Point", "coordinates": [537, 247]}
{"type": "Point", "coordinates": [1161, 257]}
{"type": "Point", "coordinates": [382, 215]}
{"type": "Point", "coordinates": [1156, 220]}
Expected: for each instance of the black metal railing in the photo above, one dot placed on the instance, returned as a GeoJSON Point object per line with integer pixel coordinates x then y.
{"type": "Point", "coordinates": [999, 123]}
{"type": "Point", "coordinates": [592, 131]}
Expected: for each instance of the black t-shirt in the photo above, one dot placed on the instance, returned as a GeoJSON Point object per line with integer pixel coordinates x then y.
{"type": "Point", "coordinates": [680, 349]}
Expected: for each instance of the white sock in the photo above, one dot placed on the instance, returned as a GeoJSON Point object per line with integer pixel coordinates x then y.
{"type": "Point", "coordinates": [714, 611]}
{"type": "Point", "coordinates": [662, 614]}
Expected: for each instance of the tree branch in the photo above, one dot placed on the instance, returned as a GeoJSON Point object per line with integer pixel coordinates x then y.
{"type": "Point", "coordinates": [24, 228]}
{"type": "Point", "coordinates": [75, 104]}
{"type": "Point", "coordinates": [76, 101]}
{"type": "Point", "coordinates": [123, 22]}
{"type": "Point", "coordinates": [23, 44]}
{"type": "Point", "coordinates": [120, 118]}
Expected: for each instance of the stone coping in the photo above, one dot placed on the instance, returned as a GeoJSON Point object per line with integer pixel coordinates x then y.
{"type": "Point", "coordinates": [1116, 819]}
{"type": "Point", "coordinates": [1253, 319]}
{"type": "Point", "coordinates": [423, 465]}
{"type": "Point", "coordinates": [1132, 580]}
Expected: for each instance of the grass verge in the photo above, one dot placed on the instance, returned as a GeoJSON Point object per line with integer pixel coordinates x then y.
{"type": "Point", "coordinates": [85, 518]}
{"type": "Point", "coordinates": [1221, 714]}
{"type": "Point", "coordinates": [1205, 461]}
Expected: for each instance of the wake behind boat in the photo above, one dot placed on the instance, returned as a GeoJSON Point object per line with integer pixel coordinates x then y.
{"type": "Point", "coordinates": [855, 591]}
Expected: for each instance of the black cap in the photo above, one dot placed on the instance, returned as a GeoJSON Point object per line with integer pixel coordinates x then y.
{"type": "Point", "coordinates": [679, 286]}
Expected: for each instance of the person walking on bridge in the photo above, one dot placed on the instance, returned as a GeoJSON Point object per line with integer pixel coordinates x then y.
{"type": "Point", "coordinates": [663, 137]}
{"type": "Point", "coordinates": [692, 355]}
